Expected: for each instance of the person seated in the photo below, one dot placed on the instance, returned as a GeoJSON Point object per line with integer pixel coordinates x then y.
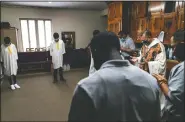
{"type": "Point", "coordinates": [117, 91]}
{"type": "Point", "coordinates": [174, 87]}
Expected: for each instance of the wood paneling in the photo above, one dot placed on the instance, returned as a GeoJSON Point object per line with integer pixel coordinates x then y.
{"type": "Point", "coordinates": [156, 7]}
{"type": "Point", "coordinates": [155, 19]}
{"type": "Point", "coordinates": [170, 26]}
{"type": "Point", "coordinates": [115, 17]}
{"type": "Point", "coordinates": [180, 15]}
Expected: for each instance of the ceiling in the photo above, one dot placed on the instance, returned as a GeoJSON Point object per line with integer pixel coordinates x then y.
{"type": "Point", "coordinates": [96, 5]}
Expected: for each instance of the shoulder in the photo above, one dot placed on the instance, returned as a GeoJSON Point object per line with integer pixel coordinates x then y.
{"type": "Point", "coordinates": [61, 41]}
{"type": "Point", "coordinates": [2, 45]}
{"type": "Point", "coordinates": [129, 38]}
{"type": "Point", "coordinates": [91, 84]}
{"type": "Point", "coordinates": [178, 69]}
{"type": "Point", "coordinates": [12, 45]}
{"type": "Point", "coordinates": [52, 42]}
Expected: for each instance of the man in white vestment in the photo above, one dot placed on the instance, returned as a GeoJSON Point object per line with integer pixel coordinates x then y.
{"type": "Point", "coordinates": [152, 58]}
{"type": "Point", "coordinates": [57, 49]}
{"type": "Point", "coordinates": [152, 55]}
{"type": "Point", "coordinates": [9, 59]}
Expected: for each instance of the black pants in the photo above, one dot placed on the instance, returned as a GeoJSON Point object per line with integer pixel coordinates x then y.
{"type": "Point", "coordinates": [60, 73]}
{"type": "Point", "coordinates": [12, 79]}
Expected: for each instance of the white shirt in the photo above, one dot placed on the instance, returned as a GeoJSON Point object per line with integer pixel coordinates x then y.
{"type": "Point", "coordinates": [9, 58]}
{"type": "Point", "coordinates": [128, 43]}
{"type": "Point", "coordinates": [57, 54]}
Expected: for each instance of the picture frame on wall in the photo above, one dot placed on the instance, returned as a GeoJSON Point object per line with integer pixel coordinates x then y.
{"type": "Point", "coordinates": [69, 39]}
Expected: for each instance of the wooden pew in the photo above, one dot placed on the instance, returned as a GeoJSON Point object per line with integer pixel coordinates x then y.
{"type": "Point", "coordinates": [34, 61]}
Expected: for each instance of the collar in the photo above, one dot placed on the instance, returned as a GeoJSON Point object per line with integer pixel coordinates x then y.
{"type": "Point", "coordinates": [115, 63]}
{"type": "Point", "coordinates": [155, 41]}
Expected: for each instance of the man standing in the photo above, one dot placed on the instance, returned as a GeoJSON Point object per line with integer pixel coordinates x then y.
{"type": "Point", "coordinates": [57, 49]}
{"type": "Point", "coordinates": [9, 59]}
{"type": "Point", "coordinates": [152, 55]}
{"type": "Point", "coordinates": [126, 43]}
{"type": "Point", "coordinates": [117, 91]}
{"type": "Point", "coordinates": [92, 69]}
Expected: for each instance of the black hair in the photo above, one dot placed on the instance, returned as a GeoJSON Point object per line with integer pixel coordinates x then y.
{"type": "Point", "coordinates": [121, 33]}
{"type": "Point", "coordinates": [147, 33]}
{"type": "Point", "coordinates": [95, 32]}
{"type": "Point", "coordinates": [179, 51]}
{"type": "Point", "coordinates": [179, 35]}
{"type": "Point", "coordinates": [55, 35]}
{"type": "Point", "coordinates": [7, 40]}
{"type": "Point", "coordinates": [105, 41]}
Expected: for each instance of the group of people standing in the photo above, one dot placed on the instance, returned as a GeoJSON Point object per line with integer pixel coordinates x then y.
{"type": "Point", "coordinates": [9, 59]}
{"type": "Point", "coordinates": [129, 89]}
{"type": "Point", "coordinates": [118, 88]}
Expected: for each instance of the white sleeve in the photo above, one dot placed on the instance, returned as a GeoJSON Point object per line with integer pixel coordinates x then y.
{"type": "Point", "coordinates": [15, 50]}
{"type": "Point", "coordinates": [51, 49]}
{"type": "Point", "coordinates": [139, 58]}
{"type": "Point", "coordinates": [63, 48]}
{"type": "Point", "coordinates": [2, 54]}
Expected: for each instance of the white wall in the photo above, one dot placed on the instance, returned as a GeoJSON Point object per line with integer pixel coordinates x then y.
{"type": "Point", "coordinates": [83, 22]}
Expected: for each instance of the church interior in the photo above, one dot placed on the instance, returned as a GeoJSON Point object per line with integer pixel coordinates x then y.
{"type": "Point", "coordinates": [30, 26]}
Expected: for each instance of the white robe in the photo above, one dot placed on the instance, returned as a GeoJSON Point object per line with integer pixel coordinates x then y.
{"type": "Point", "coordinates": [9, 59]}
{"type": "Point", "coordinates": [57, 54]}
{"type": "Point", "coordinates": [158, 66]}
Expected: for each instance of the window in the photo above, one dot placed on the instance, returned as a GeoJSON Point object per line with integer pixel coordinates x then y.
{"type": "Point", "coordinates": [36, 33]}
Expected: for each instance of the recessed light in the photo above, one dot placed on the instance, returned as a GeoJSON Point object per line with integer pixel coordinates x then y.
{"type": "Point", "coordinates": [49, 2]}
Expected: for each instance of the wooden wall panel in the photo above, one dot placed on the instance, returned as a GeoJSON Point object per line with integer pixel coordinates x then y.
{"type": "Point", "coordinates": [115, 17]}
{"type": "Point", "coordinates": [180, 24]}
{"type": "Point", "coordinates": [170, 26]}
{"type": "Point", "coordinates": [155, 19]}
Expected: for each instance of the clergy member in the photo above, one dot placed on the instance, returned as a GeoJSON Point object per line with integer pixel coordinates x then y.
{"type": "Point", "coordinates": [117, 91]}
{"type": "Point", "coordinates": [152, 55]}
{"type": "Point", "coordinates": [9, 59]}
{"type": "Point", "coordinates": [57, 49]}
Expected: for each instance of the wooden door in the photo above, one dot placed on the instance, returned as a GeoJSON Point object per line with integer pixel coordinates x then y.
{"type": "Point", "coordinates": [117, 26]}
{"type": "Point", "coordinates": [142, 24]}
{"type": "Point", "coordinates": [156, 24]}
{"type": "Point", "coordinates": [180, 16]}
{"type": "Point", "coordinates": [111, 12]}
{"type": "Point", "coordinates": [134, 10]}
{"type": "Point", "coordinates": [118, 9]}
{"type": "Point", "coordinates": [134, 29]}
{"type": "Point", "coordinates": [156, 7]}
{"type": "Point", "coordinates": [111, 27]}
{"type": "Point", "coordinates": [141, 9]}
{"type": "Point", "coordinates": [115, 17]}
{"type": "Point", "coordinates": [170, 26]}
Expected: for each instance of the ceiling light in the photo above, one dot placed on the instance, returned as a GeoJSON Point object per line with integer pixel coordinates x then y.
{"type": "Point", "coordinates": [49, 2]}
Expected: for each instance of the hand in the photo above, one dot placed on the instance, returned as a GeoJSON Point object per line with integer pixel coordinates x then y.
{"type": "Point", "coordinates": [122, 48]}
{"type": "Point", "coordinates": [160, 78]}
{"type": "Point", "coordinates": [133, 60]}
